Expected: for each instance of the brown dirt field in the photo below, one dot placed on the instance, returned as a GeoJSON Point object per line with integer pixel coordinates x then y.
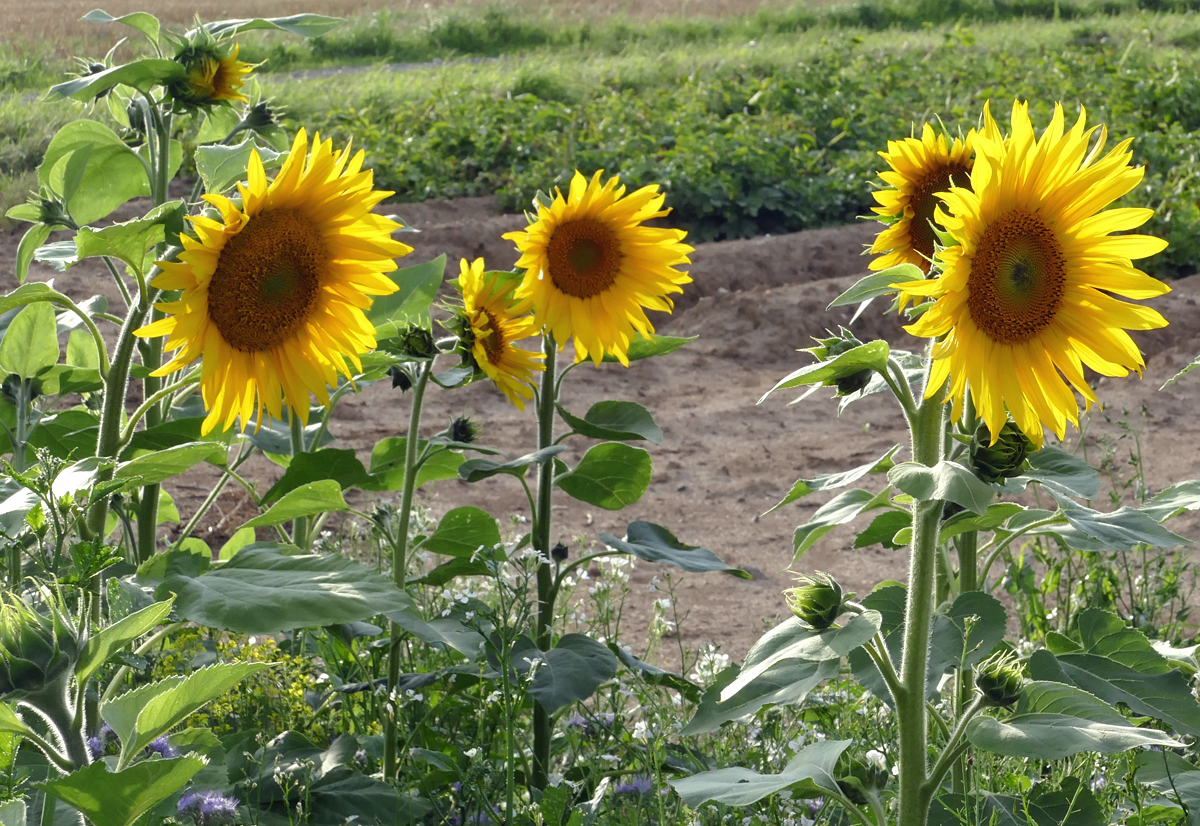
{"type": "Point", "coordinates": [58, 21]}
{"type": "Point", "coordinates": [724, 459]}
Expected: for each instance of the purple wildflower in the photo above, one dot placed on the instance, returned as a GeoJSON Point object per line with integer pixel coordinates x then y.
{"type": "Point", "coordinates": [1098, 783]}
{"type": "Point", "coordinates": [208, 808]}
{"type": "Point", "coordinates": [814, 805]}
{"type": "Point", "coordinates": [639, 784]}
{"type": "Point", "coordinates": [97, 742]}
{"type": "Point", "coordinates": [162, 747]}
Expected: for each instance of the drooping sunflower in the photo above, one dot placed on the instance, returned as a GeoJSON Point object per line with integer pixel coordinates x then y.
{"type": "Point", "coordinates": [274, 293]}
{"type": "Point", "coordinates": [1029, 293]}
{"type": "Point", "coordinates": [592, 269]}
{"type": "Point", "coordinates": [213, 75]}
{"type": "Point", "coordinates": [919, 170]}
{"type": "Point", "coordinates": [488, 304]}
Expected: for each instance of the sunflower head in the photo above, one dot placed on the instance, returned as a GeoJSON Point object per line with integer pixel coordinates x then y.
{"type": "Point", "coordinates": [274, 293]}
{"type": "Point", "coordinates": [1029, 291]}
{"type": "Point", "coordinates": [919, 170]}
{"type": "Point", "coordinates": [592, 269]}
{"type": "Point", "coordinates": [212, 74]}
{"type": "Point", "coordinates": [489, 325]}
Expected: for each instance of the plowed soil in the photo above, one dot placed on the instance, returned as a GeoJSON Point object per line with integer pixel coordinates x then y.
{"type": "Point", "coordinates": [725, 459]}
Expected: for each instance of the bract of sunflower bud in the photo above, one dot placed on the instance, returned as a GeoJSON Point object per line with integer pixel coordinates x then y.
{"type": "Point", "coordinates": [258, 117]}
{"type": "Point", "coordinates": [51, 209]}
{"type": "Point", "coordinates": [559, 552]}
{"type": "Point", "coordinates": [37, 651]}
{"type": "Point", "coordinates": [858, 779]}
{"type": "Point", "coordinates": [464, 430]}
{"type": "Point", "coordinates": [816, 600]}
{"type": "Point", "coordinates": [1001, 679]}
{"type": "Point", "coordinates": [830, 348]}
{"type": "Point", "coordinates": [400, 379]}
{"type": "Point", "coordinates": [414, 343]}
{"type": "Point", "coordinates": [994, 461]}
{"type": "Point", "coordinates": [91, 67]}
{"type": "Point", "coordinates": [14, 386]}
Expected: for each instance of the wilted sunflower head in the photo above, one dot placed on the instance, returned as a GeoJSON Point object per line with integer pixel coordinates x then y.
{"type": "Point", "coordinates": [592, 269]}
{"type": "Point", "coordinates": [1031, 280]}
{"type": "Point", "coordinates": [212, 74]}
{"type": "Point", "coordinates": [488, 328]}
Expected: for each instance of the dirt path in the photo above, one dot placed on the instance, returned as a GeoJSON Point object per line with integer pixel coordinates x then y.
{"type": "Point", "coordinates": [725, 459]}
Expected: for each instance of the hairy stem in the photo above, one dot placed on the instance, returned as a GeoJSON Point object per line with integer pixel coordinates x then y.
{"type": "Point", "coordinates": [541, 543]}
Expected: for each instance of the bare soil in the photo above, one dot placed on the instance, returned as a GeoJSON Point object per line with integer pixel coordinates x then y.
{"type": "Point", "coordinates": [725, 459]}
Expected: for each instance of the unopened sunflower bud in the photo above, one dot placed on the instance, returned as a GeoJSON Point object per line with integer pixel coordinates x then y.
{"type": "Point", "coordinates": [417, 343]}
{"type": "Point", "coordinates": [859, 779]}
{"type": "Point", "coordinates": [559, 552]}
{"type": "Point", "coordinates": [1004, 458]}
{"type": "Point", "coordinates": [1001, 679]}
{"type": "Point", "coordinates": [20, 391]}
{"type": "Point", "coordinates": [258, 117]}
{"type": "Point", "coordinates": [817, 600]}
{"type": "Point", "coordinates": [853, 382]}
{"type": "Point", "coordinates": [37, 651]}
{"type": "Point", "coordinates": [463, 430]}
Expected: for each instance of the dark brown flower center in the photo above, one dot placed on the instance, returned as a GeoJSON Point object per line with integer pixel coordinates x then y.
{"type": "Point", "coordinates": [923, 203]}
{"type": "Point", "coordinates": [493, 344]}
{"type": "Point", "coordinates": [267, 280]}
{"type": "Point", "coordinates": [585, 257]}
{"type": "Point", "coordinates": [1018, 277]}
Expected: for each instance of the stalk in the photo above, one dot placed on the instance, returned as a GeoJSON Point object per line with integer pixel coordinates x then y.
{"type": "Point", "coordinates": [928, 428]}
{"type": "Point", "coordinates": [300, 523]}
{"type": "Point", "coordinates": [541, 542]}
{"type": "Point", "coordinates": [399, 542]}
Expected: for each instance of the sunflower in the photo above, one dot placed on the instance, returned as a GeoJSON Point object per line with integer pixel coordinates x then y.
{"type": "Point", "coordinates": [488, 304]}
{"type": "Point", "coordinates": [592, 269]}
{"type": "Point", "coordinates": [919, 170]}
{"type": "Point", "coordinates": [213, 74]}
{"type": "Point", "coordinates": [1026, 296]}
{"type": "Point", "coordinates": [274, 293]}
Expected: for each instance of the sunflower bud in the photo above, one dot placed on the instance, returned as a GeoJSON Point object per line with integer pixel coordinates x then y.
{"type": "Point", "coordinates": [416, 343]}
{"type": "Point", "coordinates": [258, 117]}
{"type": "Point", "coordinates": [18, 390]}
{"type": "Point", "coordinates": [994, 462]}
{"type": "Point", "coordinates": [91, 67]}
{"type": "Point", "coordinates": [830, 348]}
{"type": "Point", "coordinates": [37, 651]}
{"type": "Point", "coordinates": [816, 600]}
{"type": "Point", "coordinates": [463, 430]}
{"type": "Point", "coordinates": [860, 779]}
{"type": "Point", "coordinates": [1001, 679]}
{"type": "Point", "coordinates": [559, 552]}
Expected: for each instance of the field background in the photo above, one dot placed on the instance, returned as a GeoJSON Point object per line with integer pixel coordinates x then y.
{"type": "Point", "coordinates": [762, 122]}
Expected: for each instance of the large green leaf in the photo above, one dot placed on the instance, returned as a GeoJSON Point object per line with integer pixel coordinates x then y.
{"type": "Point", "coordinates": [304, 25]}
{"type": "Point", "coordinates": [654, 543]}
{"type": "Point", "coordinates": [409, 305]}
{"type": "Point", "coordinates": [140, 74]}
{"type": "Point", "coordinates": [981, 808]}
{"type": "Point", "coordinates": [121, 798]}
{"type": "Point", "coordinates": [1054, 720]}
{"type": "Point", "coordinates": [475, 470]}
{"type": "Point", "coordinates": [829, 481]}
{"type": "Point", "coordinates": [33, 238]}
{"type": "Point", "coordinates": [172, 433]}
{"type": "Point", "coordinates": [964, 522]}
{"type": "Point", "coordinates": [132, 241]}
{"type": "Point", "coordinates": [1122, 529]}
{"type": "Point", "coordinates": [873, 355]}
{"type": "Point", "coordinates": [307, 500]}
{"type": "Point", "coordinates": [966, 632]}
{"type": "Point", "coordinates": [139, 717]}
{"type": "Point", "coordinates": [387, 463]}
{"type": "Point", "coordinates": [108, 641]}
{"type": "Point", "coordinates": [877, 284]}
{"type": "Point", "coordinates": [442, 631]}
{"type": "Point", "coordinates": [113, 173]}
{"type": "Point", "coordinates": [624, 421]}
{"type": "Point", "coordinates": [891, 529]}
{"type": "Point", "coordinates": [263, 591]}
{"type": "Point", "coordinates": [793, 640]}
{"type": "Point", "coordinates": [610, 476]}
{"type": "Point", "coordinates": [221, 166]}
{"type": "Point", "coordinates": [946, 481]}
{"type": "Point", "coordinates": [643, 347]}
{"type": "Point", "coordinates": [12, 812]}
{"type": "Point", "coordinates": [30, 344]}
{"type": "Point", "coordinates": [1177, 499]}
{"type": "Point", "coordinates": [785, 683]}
{"type": "Point", "coordinates": [141, 21]}
{"type": "Point", "coordinates": [159, 466]}
{"type": "Point", "coordinates": [809, 774]}
{"type": "Point", "coordinates": [342, 466]}
{"type": "Point", "coordinates": [462, 532]}
{"type": "Point", "coordinates": [571, 671]}
{"type": "Point", "coordinates": [1172, 776]}
{"type": "Point", "coordinates": [1061, 471]}
{"type": "Point", "coordinates": [1119, 665]}
{"type": "Point", "coordinates": [839, 510]}
{"type": "Point", "coordinates": [655, 675]}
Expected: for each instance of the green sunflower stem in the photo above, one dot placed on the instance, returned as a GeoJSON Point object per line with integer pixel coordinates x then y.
{"type": "Point", "coordinates": [300, 523]}
{"type": "Point", "coordinates": [542, 731]}
{"type": "Point", "coordinates": [399, 543]}
{"type": "Point", "coordinates": [928, 445]}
